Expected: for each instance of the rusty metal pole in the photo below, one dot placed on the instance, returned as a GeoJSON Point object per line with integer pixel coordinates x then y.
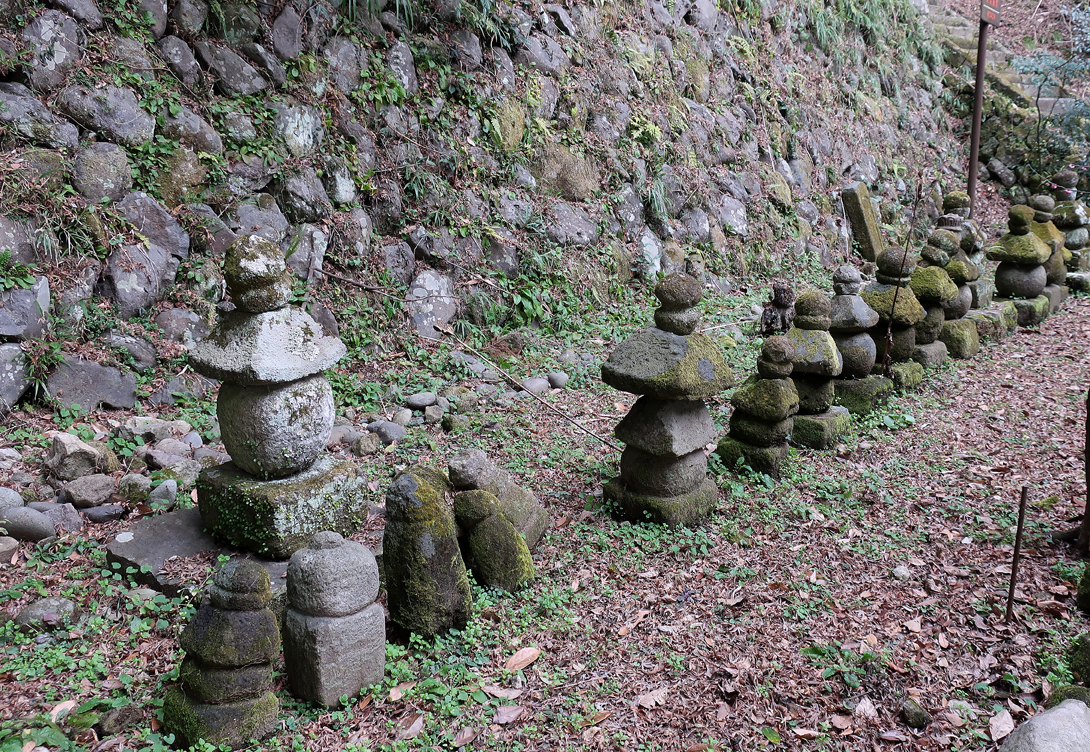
{"type": "Point", "coordinates": [978, 105]}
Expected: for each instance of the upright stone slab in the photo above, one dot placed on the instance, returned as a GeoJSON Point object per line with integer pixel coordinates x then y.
{"type": "Point", "coordinates": [334, 632]}
{"type": "Point", "coordinates": [427, 588]}
{"type": "Point", "coordinates": [663, 473]}
{"type": "Point", "coordinates": [225, 695]}
{"type": "Point", "coordinates": [864, 220]}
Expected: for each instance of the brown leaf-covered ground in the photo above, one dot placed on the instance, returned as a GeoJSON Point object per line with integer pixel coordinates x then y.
{"type": "Point", "coordinates": [779, 619]}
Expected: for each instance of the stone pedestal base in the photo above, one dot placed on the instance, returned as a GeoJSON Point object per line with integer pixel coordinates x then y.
{"type": "Point", "coordinates": [1056, 295]}
{"type": "Point", "coordinates": [861, 396]}
{"type": "Point", "coordinates": [930, 356]}
{"type": "Point", "coordinates": [1079, 281]}
{"type": "Point", "coordinates": [233, 723]}
{"type": "Point", "coordinates": [961, 338]}
{"type": "Point", "coordinates": [1032, 312]}
{"type": "Point", "coordinates": [275, 518]}
{"type": "Point", "coordinates": [685, 510]}
{"type": "Point", "coordinates": [906, 376]}
{"type": "Point", "coordinates": [327, 657]}
{"type": "Point", "coordinates": [768, 460]}
{"type": "Point", "coordinates": [823, 430]}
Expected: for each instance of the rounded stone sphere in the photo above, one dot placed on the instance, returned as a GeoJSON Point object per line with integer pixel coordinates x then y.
{"type": "Point", "coordinates": [896, 262]}
{"type": "Point", "coordinates": [945, 240]}
{"type": "Point", "coordinates": [679, 291]}
{"type": "Point", "coordinates": [859, 353]}
{"type": "Point", "coordinates": [332, 577]}
{"type": "Point", "coordinates": [240, 585]}
{"type": "Point", "coordinates": [1017, 281]}
{"type": "Point", "coordinates": [847, 280]}
{"type": "Point", "coordinates": [778, 349]}
{"type": "Point", "coordinates": [1043, 203]}
{"type": "Point", "coordinates": [256, 274]}
{"type": "Point", "coordinates": [959, 306]}
{"type": "Point", "coordinates": [276, 431]}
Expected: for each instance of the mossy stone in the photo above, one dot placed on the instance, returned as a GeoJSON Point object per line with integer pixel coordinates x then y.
{"type": "Point", "coordinates": [932, 284]}
{"type": "Point", "coordinates": [908, 311]}
{"type": "Point", "coordinates": [961, 338]}
{"type": "Point", "coordinates": [1068, 692]}
{"type": "Point", "coordinates": [231, 639]}
{"type": "Point", "coordinates": [679, 291]}
{"type": "Point", "coordinates": [906, 376]}
{"type": "Point", "coordinates": [769, 460]}
{"type": "Point", "coordinates": [426, 581]}
{"type": "Point", "coordinates": [815, 395]}
{"type": "Point", "coordinates": [1079, 658]}
{"type": "Point", "coordinates": [896, 262]}
{"type": "Point", "coordinates": [815, 352]}
{"type": "Point", "coordinates": [858, 352]}
{"type": "Point", "coordinates": [758, 432]}
{"type": "Point", "coordinates": [1033, 312]}
{"type": "Point", "coordinates": [501, 558]}
{"type": "Point", "coordinates": [686, 510]}
{"type": "Point", "coordinates": [510, 124]}
{"type": "Point", "coordinates": [473, 507]}
{"type": "Point", "coordinates": [668, 366]}
{"type": "Point", "coordinates": [1082, 599]}
{"type": "Point", "coordinates": [902, 345]}
{"type": "Point", "coordinates": [768, 399]}
{"type": "Point", "coordinates": [862, 396]}
{"type": "Point", "coordinates": [915, 715]}
{"type": "Point", "coordinates": [232, 724]}
{"type": "Point", "coordinates": [1026, 249]}
{"type": "Point", "coordinates": [812, 309]}
{"type": "Point", "coordinates": [662, 475]}
{"type": "Point", "coordinates": [946, 241]}
{"type": "Point", "coordinates": [219, 685]}
{"type": "Point", "coordinates": [929, 329]}
{"type": "Point", "coordinates": [823, 430]}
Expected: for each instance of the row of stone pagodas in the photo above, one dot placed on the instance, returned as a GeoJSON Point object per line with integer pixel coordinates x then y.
{"type": "Point", "coordinates": [858, 389]}
{"type": "Point", "coordinates": [1072, 218]}
{"type": "Point", "coordinates": [816, 364]}
{"type": "Point", "coordinates": [275, 411]}
{"type": "Point", "coordinates": [663, 475]}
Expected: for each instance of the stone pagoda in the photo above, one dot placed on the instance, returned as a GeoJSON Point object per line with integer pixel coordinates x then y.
{"type": "Point", "coordinates": [892, 297]}
{"type": "Point", "coordinates": [663, 467]}
{"type": "Point", "coordinates": [1021, 275]}
{"type": "Point", "coordinates": [850, 318]}
{"type": "Point", "coordinates": [276, 413]}
{"type": "Point", "coordinates": [816, 363]}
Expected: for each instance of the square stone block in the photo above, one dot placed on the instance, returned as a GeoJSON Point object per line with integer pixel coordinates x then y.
{"type": "Point", "coordinates": [961, 338]}
{"type": "Point", "coordinates": [330, 656]}
{"type": "Point", "coordinates": [861, 396]}
{"type": "Point", "coordinates": [769, 460]}
{"type": "Point", "coordinates": [931, 355]}
{"type": "Point", "coordinates": [1056, 295]}
{"type": "Point", "coordinates": [1033, 312]}
{"type": "Point", "coordinates": [907, 376]}
{"type": "Point", "coordinates": [823, 430]}
{"type": "Point", "coordinates": [275, 518]}
{"type": "Point", "coordinates": [685, 510]}
{"type": "Point", "coordinates": [983, 290]}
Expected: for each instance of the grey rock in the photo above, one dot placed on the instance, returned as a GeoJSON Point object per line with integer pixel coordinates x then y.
{"type": "Point", "coordinates": [387, 431]}
{"type": "Point", "coordinates": [21, 111]}
{"type": "Point", "coordinates": [815, 352]}
{"type": "Point", "coordinates": [345, 61]}
{"type": "Point", "coordinates": [468, 47]}
{"type": "Point", "coordinates": [629, 211]}
{"type": "Point", "coordinates": [180, 325]}
{"type": "Point", "coordinates": [266, 348]}
{"type": "Point", "coordinates": [850, 313]}
{"type": "Point", "coordinates": [24, 312]}
{"type": "Point", "coordinates": [69, 458]}
{"type": "Point", "coordinates": [190, 128]}
{"type": "Point", "coordinates": [150, 219]}
{"type": "Point", "coordinates": [1064, 728]}
{"type": "Point", "coordinates": [9, 458]}
{"type": "Point", "coordinates": [9, 499]}
{"type": "Point", "coordinates": [89, 491]}
{"type": "Point", "coordinates": [327, 658]}
{"type": "Point", "coordinates": [8, 547]}
{"type": "Point", "coordinates": [104, 513]}
{"type": "Point", "coordinates": [703, 14]}
{"type": "Point", "coordinates": [544, 54]}
{"type": "Point", "coordinates": [180, 59]}
{"type": "Point", "coordinates": [902, 572]}
{"type": "Point", "coordinates": [400, 59]}
{"type": "Point", "coordinates": [536, 385]}
{"type": "Point", "coordinates": [89, 385]}
{"type": "Point", "coordinates": [1002, 173]}
{"type": "Point", "coordinates": [47, 614]}
{"type": "Point", "coordinates": [332, 577]}
{"type": "Point", "coordinates": [136, 275]}
{"type": "Point", "coordinates": [237, 128]}
{"type": "Point", "coordinates": [420, 400]}
{"type": "Point", "coordinates": [310, 244]}
{"type": "Point", "coordinates": [262, 218]}
{"type": "Point", "coordinates": [234, 76]}
{"type": "Point", "coordinates": [164, 495]}
{"type": "Point", "coordinates": [433, 414]}
{"type": "Point", "coordinates": [151, 430]}
{"type": "Point", "coordinates": [132, 54]}
{"type": "Point", "coordinates": [301, 128]}
{"type": "Point", "coordinates": [157, 9]}
{"type": "Point", "coordinates": [134, 487]}
{"type": "Point", "coordinates": [54, 41]}
{"type": "Point", "coordinates": [276, 431]}
{"type": "Point", "coordinates": [65, 519]}
{"type": "Point", "coordinates": [15, 236]}
{"type": "Point", "coordinates": [240, 23]}
{"type": "Point", "coordinates": [287, 34]}
{"type": "Point", "coordinates": [147, 544]}
{"type": "Point", "coordinates": [557, 379]}
{"type": "Point", "coordinates": [337, 177]}
{"type": "Point", "coordinates": [101, 170]}
{"type": "Point", "coordinates": [402, 417]}
{"type": "Point", "coordinates": [471, 469]}
{"type": "Point", "coordinates": [26, 524]}
{"type": "Point", "coordinates": [189, 16]}
{"type": "Point", "coordinates": [84, 11]}
{"type": "Point", "coordinates": [431, 303]}
{"type": "Point", "coordinates": [303, 197]}
{"type": "Point", "coordinates": [112, 111]}
{"type": "Point", "coordinates": [959, 306]}
{"type": "Point", "coordinates": [731, 214]}
{"type": "Point", "coordinates": [366, 445]}
{"type": "Point", "coordinates": [667, 427]}
{"type": "Point", "coordinates": [569, 225]}
{"type": "Point", "coordinates": [400, 262]}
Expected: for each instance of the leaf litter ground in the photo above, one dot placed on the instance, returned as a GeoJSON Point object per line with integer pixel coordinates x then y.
{"type": "Point", "coordinates": [779, 623]}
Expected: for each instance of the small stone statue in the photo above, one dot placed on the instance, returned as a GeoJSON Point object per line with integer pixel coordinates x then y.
{"type": "Point", "coordinates": [334, 632]}
{"type": "Point", "coordinates": [779, 311]}
{"type": "Point", "coordinates": [230, 645]}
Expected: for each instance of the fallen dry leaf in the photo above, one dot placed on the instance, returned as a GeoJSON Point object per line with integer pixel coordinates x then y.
{"type": "Point", "coordinates": [803, 733]}
{"type": "Point", "coordinates": [411, 725]}
{"type": "Point", "coordinates": [401, 690]}
{"type": "Point", "coordinates": [595, 719]}
{"type": "Point", "coordinates": [913, 625]}
{"type": "Point", "coordinates": [522, 659]}
{"type": "Point", "coordinates": [507, 713]}
{"type": "Point", "coordinates": [1000, 725]}
{"type": "Point", "coordinates": [893, 736]}
{"type": "Point", "coordinates": [62, 709]}
{"type": "Point", "coordinates": [841, 721]}
{"type": "Point", "coordinates": [465, 736]}
{"type": "Point", "coordinates": [865, 709]}
{"type": "Point", "coordinates": [652, 698]}
{"type": "Point", "coordinates": [503, 692]}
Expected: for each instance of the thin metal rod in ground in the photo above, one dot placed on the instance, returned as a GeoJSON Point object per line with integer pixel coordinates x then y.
{"type": "Point", "coordinates": [515, 382]}
{"type": "Point", "coordinates": [1017, 556]}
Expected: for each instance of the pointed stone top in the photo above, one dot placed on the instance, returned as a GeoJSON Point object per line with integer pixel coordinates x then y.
{"type": "Point", "coordinates": [1019, 219]}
